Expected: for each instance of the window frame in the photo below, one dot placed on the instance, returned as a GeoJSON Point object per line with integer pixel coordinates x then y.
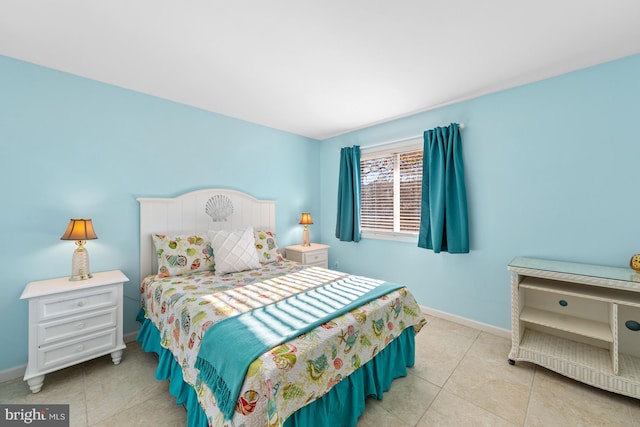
{"type": "Point", "coordinates": [392, 148]}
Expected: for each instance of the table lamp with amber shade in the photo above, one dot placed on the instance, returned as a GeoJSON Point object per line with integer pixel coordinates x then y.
{"type": "Point", "coordinates": [305, 220]}
{"type": "Point", "coordinates": [80, 230]}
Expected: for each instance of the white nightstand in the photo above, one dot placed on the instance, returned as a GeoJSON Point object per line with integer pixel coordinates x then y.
{"type": "Point", "coordinates": [71, 322]}
{"type": "Point", "coordinates": [316, 254]}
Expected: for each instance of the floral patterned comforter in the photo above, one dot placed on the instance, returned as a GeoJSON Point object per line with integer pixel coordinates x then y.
{"type": "Point", "coordinates": [292, 374]}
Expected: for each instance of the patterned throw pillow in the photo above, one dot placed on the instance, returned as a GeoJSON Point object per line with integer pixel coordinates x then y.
{"type": "Point", "coordinates": [267, 247]}
{"type": "Point", "coordinates": [182, 254]}
{"type": "Point", "coordinates": [235, 250]}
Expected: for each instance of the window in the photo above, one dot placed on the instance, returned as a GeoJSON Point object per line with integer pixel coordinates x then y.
{"type": "Point", "coordinates": [391, 189]}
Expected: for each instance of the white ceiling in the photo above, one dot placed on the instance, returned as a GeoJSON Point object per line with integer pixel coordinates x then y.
{"type": "Point", "coordinates": [318, 68]}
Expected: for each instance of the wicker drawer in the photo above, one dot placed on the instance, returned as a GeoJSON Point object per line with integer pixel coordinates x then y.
{"type": "Point", "coordinates": [627, 329]}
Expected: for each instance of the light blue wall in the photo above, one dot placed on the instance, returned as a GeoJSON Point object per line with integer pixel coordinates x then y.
{"type": "Point", "coordinates": [74, 147]}
{"type": "Point", "coordinates": [551, 170]}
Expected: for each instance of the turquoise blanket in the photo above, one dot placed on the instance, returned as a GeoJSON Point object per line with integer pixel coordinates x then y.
{"type": "Point", "coordinates": [231, 345]}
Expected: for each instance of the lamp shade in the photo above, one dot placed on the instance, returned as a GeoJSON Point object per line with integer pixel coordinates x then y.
{"type": "Point", "coordinates": [79, 229]}
{"type": "Point", "coordinates": [306, 218]}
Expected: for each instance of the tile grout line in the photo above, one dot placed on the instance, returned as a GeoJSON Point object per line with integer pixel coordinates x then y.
{"type": "Point", "coordinates": [533, 379]}
{"type": "Point", "coordinates": [86, 397]}
{"type": "Point", "coordinates": [466, 400]}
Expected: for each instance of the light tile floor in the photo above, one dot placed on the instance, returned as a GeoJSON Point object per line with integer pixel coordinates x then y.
{"type": "Point", "coordinates": [461, 378]}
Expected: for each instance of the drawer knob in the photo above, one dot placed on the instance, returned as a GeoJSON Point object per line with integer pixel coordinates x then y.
{"type": "Point", "coordinates": [80, 325]}
{"type": "Point", "coordinates": [632, 325]}
{"type": "Point", "coordinates": [80, 303]}
{"type": "Point", "coordinates": [79, 348]}
{"type": "Point", "coordinates": [563, 303]}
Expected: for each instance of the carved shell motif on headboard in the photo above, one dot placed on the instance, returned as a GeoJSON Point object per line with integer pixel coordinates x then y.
{"type": "Point", "coordinates": [219, 207]}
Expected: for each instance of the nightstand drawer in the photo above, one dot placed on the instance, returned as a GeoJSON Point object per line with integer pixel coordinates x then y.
{"type": "Point", "coordinates": [72, 351]}
{"type": "Point", "coordinates": [320, 257]}
{"type": "Point", "coordinates": [314, 255]}
{"type": "Point", "coordinates": [77, 302]}
{"type": "Point", "coordinates": [70, 327]}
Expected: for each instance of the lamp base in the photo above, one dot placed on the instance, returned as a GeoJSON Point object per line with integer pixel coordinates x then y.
{"type": "Point", "coordinates": [305, 237]}
{"type": "Point", "coordinates": [80, 277]}
{"type": "Point", "coordinates": [80, 264]}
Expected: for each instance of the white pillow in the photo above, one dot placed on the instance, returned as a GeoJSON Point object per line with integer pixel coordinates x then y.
{"type": "Point", "coordinates": [234, 250]}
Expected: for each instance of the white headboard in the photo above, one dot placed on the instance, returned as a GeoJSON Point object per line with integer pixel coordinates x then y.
{"type": "Point", "coordinates": [186, 214]}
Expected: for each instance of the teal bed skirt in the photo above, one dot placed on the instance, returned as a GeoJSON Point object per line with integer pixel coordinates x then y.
{"type": "Point", "coordinates": [341, 406]}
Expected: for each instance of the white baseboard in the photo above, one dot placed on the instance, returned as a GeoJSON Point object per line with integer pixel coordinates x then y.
{"type": "Point", "coordinates": [130, 337]}
{"type": "Point", "coordinates": [12, 373]}
{"type": "Point", "coordinates": [501, 332]}
{"type": "Point", "coordinates": [18, 371]}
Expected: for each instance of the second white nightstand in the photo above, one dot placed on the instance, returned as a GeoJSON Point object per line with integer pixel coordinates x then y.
{"type": "Point", "coordinates": [70, 322]}
{"type": "Point", "coordinates": [316, 254]}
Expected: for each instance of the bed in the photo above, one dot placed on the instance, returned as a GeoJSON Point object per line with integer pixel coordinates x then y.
{"type": "Point", "coordinates": [352, 337]}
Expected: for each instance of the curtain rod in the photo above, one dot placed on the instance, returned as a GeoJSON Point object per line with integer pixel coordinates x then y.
{"type": "Point", "coordinates": [408, 138]}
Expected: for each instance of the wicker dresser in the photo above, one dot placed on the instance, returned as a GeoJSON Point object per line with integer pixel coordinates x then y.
{"type": "Point", "coordinates": [580, 320]}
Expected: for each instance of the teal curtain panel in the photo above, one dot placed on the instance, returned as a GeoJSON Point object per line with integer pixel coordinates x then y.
{"type": "Point", "coordinates": [444, 224]}
{"type": "Point", "coordinates": [348, 217]}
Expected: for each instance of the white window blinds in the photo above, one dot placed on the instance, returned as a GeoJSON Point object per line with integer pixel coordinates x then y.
{"type": "Point", "coordinates": [391, 188]}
